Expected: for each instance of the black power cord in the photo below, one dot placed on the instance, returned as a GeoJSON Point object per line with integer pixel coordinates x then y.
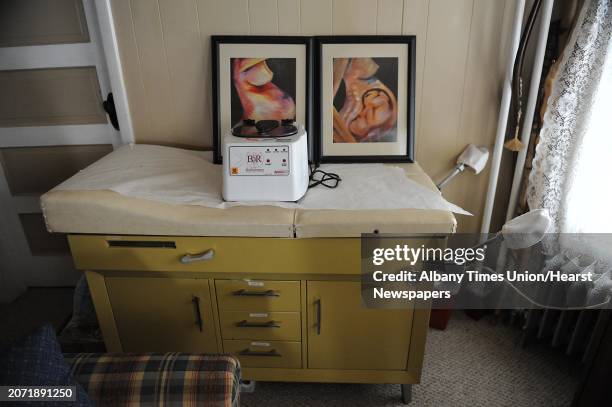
{"type": "Point", "coordinates": [520, 59]}
{"type": "Point", "coordinates": [327, 179]}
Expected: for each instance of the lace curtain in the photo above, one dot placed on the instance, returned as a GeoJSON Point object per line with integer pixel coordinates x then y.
{"type": "Point", "coordinates": [573, 161]}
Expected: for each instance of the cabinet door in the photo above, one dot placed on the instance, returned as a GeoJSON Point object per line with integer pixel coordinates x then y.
{"type": "Point", "coordinates": [162, 314]}
{"type": "Point", "coordinates": [342, 334]}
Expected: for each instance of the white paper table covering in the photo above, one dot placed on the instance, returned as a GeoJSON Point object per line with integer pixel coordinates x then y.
{"type": "Point", "coordinates": [187, 177]}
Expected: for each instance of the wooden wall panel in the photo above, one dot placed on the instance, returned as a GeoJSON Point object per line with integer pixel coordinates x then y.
{"type": "Point", "coordinates": [415, 22]}
{"type": "Point", "coordinates": [132, 69]}
{"type": "Point", "coordinates": [448, 34]}
{"type": "Point", "coordinates": [354, 17]}
{"type": "Point", "coordinates": [316, 17]}
{"type": "Point", "coordinates": [459, 53]}
{"type": "Point", "coordinates": [389, 17]}
{"type": "Point", "coordinates": [223, 17]}
{"type": "Point", "coordinates": [41, 97]}
{"type": "Point", "coordinates": [35, 170]}
{"type": "Point", "coordinates": [154, 69]}
{"type": "Point", "coordinates": [40, 22]}
{"type": "Point", "coordinates": [289, 17]}
{"type": "Point", "coordinates": [185, 55]}
{"type": "Point", "coordinates": [480, 105]}
{"type": "Point", "coordinates": [229, 17]}
{"type": "Point", "coordinates": [263, 17]}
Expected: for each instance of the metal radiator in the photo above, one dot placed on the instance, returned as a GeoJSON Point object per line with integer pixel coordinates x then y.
{"type": "Point", "coordinates": [576, 333]}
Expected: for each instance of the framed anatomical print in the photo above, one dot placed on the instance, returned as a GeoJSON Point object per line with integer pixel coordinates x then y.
{"type": "Point", "coordinates": [259, 78]}
{"type": "Point", "coordinates": [365, 94]}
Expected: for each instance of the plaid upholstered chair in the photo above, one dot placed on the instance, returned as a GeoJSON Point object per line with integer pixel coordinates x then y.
{"type": "Point", "coordinates": [170, 379]}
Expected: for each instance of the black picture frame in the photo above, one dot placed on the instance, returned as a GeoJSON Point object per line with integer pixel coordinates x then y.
{"type": "Point", "coordinates": [217, 41]}
{"type": "Point", "coordinates": [406, 156]}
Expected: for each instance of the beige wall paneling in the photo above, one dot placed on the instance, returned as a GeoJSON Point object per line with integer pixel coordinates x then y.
{"type": "Point", "coordinates": [263, 17]}
{"type": "Point", "coordinates": [415, 20]}
{"type": "Point", "coordinates": [354, 17]}
{"type": "Point", "coordinates": [130, 64]}
{"type": "Point", "coordinates": [316, 17]}
{"type": "Point", "coordinates": [39, 240]}
{"type": "Point", "coordinates": [448, 36]}
{"type": "Point", "coordinates": [289, 17]}
{"type": "Point", "coordinates": [229, 17]}
{"type": "Point", "coordinates": [41, 97]}
{"type": "Point", "coordinates": [52, 166]}
{"type": "Point", "coordinates": [38, 22]}
{"type": "Point", "coordinates": [155, 72]}
{"type": "Point", "coordinates": [186, 64]}
{"type": "Point", "coordinates": [389, 17]}
{"type": "Point", "coordinates": [480, 108]}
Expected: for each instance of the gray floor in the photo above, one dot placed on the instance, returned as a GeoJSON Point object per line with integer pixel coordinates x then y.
{"type": "Point", "coordinates": [471, 363]}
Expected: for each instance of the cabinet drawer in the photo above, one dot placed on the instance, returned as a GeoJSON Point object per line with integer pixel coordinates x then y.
{"type": "Point", "coordinates": [272, 326]}
{"type": "Point", "coordinates": [266, 354]}
{"type": "Point", "coordinates": [258, 296]}
{"type": "Point", "coordinates": [256, 256]}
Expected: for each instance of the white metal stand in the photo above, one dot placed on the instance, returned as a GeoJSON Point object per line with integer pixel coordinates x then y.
{"type": "Point", "coordinates": [502, 120]}
{"type": "Point", "coordinates": [536, 73]}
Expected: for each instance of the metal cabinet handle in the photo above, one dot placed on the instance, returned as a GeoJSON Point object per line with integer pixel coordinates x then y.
{"type": "Point", "coordinates": [192, 258]}
{"type": "Point", "coordinates": [317, 304]}
{"type": "Point", "coordinates": [246, 293]}
{"type": "Point", "coordinates": [196, 305]}
{"type": "Point", "coordinates": [248, 352]}
{"type": "Point", "coordinates": [246, 324]}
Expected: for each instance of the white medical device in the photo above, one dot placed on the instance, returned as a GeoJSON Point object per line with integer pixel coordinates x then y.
{"type": "Point", "coordinates": [265, 163]}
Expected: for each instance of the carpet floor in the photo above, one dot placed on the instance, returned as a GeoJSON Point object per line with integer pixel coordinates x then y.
{"type": "Point", "coordinates": [471, 363]}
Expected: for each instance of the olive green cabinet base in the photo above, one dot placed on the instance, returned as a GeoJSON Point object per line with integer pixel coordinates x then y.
{"type": "Point", "coordinates": [163, 314]}
{"type": "Point", "coordinates": [282, 325]}
{"type": "Point", "coordinates": [342, 334]}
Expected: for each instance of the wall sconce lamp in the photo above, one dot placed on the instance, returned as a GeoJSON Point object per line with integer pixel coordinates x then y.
{"type": "Point", "coordinates": [473, 157]}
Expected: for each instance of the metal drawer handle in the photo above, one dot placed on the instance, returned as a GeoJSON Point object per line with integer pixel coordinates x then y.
{"type": "Point", "coordinates": [196, 305]}
{"type": "Point", "coordinates": [317, 304]}
{"type": "Point", "coordinates": [246, 293]}
{"type": "Point", "coordinates": [246, 324]}
{"type": "Point", "coordinates": [192, 258]}
{"type": "Point", "coordinates": [248, 352]}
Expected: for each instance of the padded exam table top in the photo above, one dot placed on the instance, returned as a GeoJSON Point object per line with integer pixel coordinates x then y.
{"type": "Point", "coordinates": [108, 212]}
